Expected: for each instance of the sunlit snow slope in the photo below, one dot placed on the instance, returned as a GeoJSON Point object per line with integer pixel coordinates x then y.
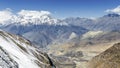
{"type": "Point", "coordinates": [16, 52]}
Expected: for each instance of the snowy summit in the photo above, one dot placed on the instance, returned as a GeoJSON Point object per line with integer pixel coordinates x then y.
{"type": "Point", "coordinates": [28, 17]}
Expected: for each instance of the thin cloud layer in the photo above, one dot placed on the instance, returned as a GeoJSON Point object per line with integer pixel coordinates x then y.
{"type": "Point", "coordinates": [115, 10]}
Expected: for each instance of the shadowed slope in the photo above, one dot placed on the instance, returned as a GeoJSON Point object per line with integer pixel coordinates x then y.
{"type": "Point", "coordinates": [108, 59]}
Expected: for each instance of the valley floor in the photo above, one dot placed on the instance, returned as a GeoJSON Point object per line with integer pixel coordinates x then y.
{"type": "Point", "coordinates": [88, 52]}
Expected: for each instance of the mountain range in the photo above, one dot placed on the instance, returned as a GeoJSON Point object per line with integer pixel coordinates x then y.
{"type": "Point", "coordinates": [42, 29]}
{"type": "Point", "coordinates": [73, 41]}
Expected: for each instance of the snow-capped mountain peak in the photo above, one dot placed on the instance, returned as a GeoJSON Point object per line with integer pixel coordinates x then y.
{"type": "Point", "coordinates": [112, 15]}
{"type": "Point", "coordinates": [35, 17]}
{"type": "Point", "coordinates": [28, 17]}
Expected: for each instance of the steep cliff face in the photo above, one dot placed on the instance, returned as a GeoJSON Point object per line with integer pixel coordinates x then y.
{"type": "Point", "coordinates": [16, 52]}
{"type": "Point", "coordinates": [6, 61]}
{"type": "Point", "coordinates": [108, 59]}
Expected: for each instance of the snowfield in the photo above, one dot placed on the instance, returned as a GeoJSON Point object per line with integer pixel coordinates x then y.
{"type": "Point", "coordinates": [20, 50]}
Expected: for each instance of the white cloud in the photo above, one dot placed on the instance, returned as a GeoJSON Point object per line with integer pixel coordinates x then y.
{"type": "Point", "coordinates": [5, 15]}
{"type": "Point", "coordinates": [115, 10]}
{"type": "Point", "coordinates": [34, 14]}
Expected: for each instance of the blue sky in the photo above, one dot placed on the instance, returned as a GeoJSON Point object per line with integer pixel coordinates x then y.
{"type": "Point", "coordinates": [63, 8]}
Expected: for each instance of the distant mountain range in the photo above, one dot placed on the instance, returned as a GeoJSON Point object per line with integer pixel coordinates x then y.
{"type": "Point", "coordinates": [110, 22]}
{"type": "Point", "coordinates": [43, 29]}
